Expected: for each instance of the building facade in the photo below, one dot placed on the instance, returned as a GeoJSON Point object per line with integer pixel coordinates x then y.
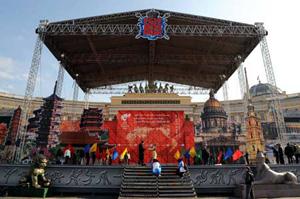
{"type": "Point", "coordinates": [261, 100]}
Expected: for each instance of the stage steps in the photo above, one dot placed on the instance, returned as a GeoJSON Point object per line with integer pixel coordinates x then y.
{"type": "Point", "coordinates": [138, 181]}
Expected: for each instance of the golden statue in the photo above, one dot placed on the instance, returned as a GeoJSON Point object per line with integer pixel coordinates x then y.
{"type": "Point", "coordinates": [36, 177]}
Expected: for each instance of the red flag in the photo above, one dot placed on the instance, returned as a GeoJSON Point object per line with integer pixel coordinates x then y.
{"type": "Point", "coordinates": [237, 155]}
{"type": "Point", "coordinates": [98, 155]}
{"type": "Point", "coordinates": [219, 157]}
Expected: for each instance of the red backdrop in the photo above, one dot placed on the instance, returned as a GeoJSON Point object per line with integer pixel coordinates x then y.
{"type": "Point", "coordinates": [166, 129]}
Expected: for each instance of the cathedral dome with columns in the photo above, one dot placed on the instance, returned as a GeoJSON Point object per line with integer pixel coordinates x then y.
{"type": "Point", "coordinates": [213, 117]}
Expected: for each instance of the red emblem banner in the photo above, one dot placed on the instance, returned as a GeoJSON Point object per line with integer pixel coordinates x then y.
{"type": "Point", "coordinates": [153, 26]}
{"type": "Point", "coordinates": [166, 129]}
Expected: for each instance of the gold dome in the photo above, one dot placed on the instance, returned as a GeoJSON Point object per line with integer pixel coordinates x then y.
{"type": "Point", "coordinates": [212, 102]}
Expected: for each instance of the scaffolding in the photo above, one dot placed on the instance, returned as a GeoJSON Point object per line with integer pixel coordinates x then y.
{"type": "Point", "coordinates": [60, 79]}
{"type": "Point", "coordinates": [225, 97]}
{"type": "Point", "coordinates": [132, 29]}
{"type": "Point", "coordinates": [86, 99]}
{"type": "Point", "coordinates": [31, 82]}
{"type": "Point", "coordinates": [244, 94]}
{"type": "Point", "coordinates": [275, 103]}
{"type": "Point", "coordinates": [75, 91]}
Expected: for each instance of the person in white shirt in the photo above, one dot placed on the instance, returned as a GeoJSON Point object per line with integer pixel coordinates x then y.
{"type": "Point", "coordinates": [181, 169]}
{"type": "Point", "coordinates": [156, 168]}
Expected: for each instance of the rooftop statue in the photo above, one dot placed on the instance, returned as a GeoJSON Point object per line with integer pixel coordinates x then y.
{"type": "Point", "coordinates": [265, 175]}
{"type": "Point", "coordinates": [151, 88]}
{"type": "Point", "coordinates": [136, 90]}
{"type": "Point", "coordinates": [141, 88]}
{"type": "Point", "coordinates": [160, 89]}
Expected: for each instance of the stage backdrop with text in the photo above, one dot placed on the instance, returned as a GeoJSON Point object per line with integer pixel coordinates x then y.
{"type": "Point", "coordinates": [167, 129]}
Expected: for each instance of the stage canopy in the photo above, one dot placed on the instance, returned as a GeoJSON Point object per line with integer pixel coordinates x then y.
{"type": "Point", "coordinates": [103, 50]}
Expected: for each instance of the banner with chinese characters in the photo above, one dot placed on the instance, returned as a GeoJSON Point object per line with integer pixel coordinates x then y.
{"type": "Point", "coordinates": [165, 129]}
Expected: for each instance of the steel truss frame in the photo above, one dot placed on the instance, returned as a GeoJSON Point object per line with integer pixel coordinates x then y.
{"type": "Point", "coordinates": [132, 29]}
{"type": "Point", "coordinates": [122, 15]}
{"type": "Point", "coordinates": [225, 97]}
{"type": "Point", "coordinates": [60, 79]}
{"type": "Point", "coordinates": [31, 82]}
{"type": "Point", "coordinates": [75, 91]}
{"type": "Point", "coordinates": [275, 103]}
{"type": "Point", "coordinates": [242, 75]}
{"type": "Point", "coordinates": [86, 99]}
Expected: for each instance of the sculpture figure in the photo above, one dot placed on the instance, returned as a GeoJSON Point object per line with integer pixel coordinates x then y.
{"type": "Point", "coordinates": [136, 90]}
{"type": "Point", "coordinates": [141, 88]}
{"type": "Point", "coordinates": [172, 89]}
{"type": "Point", "coordinates": [166, 89]}
{"type": "Point", "coordinates": [155, 88]}
{"type": "Point", "coordinates": [160, 89]}
{"type": "Point", "coordinates": [265, 175]}
{"type": "Point", "coordinates": [129, 88]}
{"type": "Point", "coordinates": [147, 89]}
{"type": "Point", "coordinates": [36, 177]}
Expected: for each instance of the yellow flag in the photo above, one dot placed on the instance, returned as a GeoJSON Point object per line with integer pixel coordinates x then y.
{"type": "Point", "coordinates": [192, 152]}
{"type": "Point", "coordinates": [93, 148]}
{"type": "Point", "coordinates": [123, 154]}
{"type": "Point", "coordinates": [177, 155]}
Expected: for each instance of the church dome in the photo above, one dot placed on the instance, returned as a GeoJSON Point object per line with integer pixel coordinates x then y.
{"type": "Point", "coordinates": [213, 117]}
{"type": "Point", "coordinates": [261, 89]}
{"type": "Point", "coordinates": [212, 102]}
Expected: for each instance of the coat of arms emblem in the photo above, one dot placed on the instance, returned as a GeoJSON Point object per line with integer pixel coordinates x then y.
{"type": "Point", "coordinates": [152, 26]}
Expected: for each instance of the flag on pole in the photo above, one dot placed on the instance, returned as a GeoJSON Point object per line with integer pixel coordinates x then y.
{"type": "Point", "coordinates": [192, 152]}
{"type": "Point", "coordinates": [98, 155]}
{"type": "Point", "coordinates": [115, 155]}
{"type": "Point", "coordinates": [219, 157]}
{"type": "Point", "coordinates": [87, 148]}
{"type": "Point", "coordinates": [123, 154]}
{"type": "Point", "coordinates": [93, 148]}
{"type": "Point", "coordinates": [228, 153]}
{"type": "Point", "coordinates": [177, 155]}
{"type": "Point", "coordinates": [237, 155]}
{"type": "Point", "coordinates": [187, 154]}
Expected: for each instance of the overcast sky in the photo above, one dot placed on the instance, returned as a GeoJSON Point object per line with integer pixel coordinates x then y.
{"type": "Point", "coordinates": [18, 20]}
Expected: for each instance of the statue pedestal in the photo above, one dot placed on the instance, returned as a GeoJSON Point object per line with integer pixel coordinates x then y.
{"type": "Point", "coordinates": [270, 190]}
{"type": "Point", "coordinates": [28, 192]}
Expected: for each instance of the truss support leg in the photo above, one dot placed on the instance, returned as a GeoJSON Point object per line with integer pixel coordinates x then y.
{"type": "Point", "coordinates": [276, 105]}
{"type": "Point", "coordinates": [31, 82]}
{"type": "Point", "coordinates": [86, 99]}
{"type": "Point", "coordinates": [75, 91]}
{"type": "Point", "coordinates": [60, 79]}
{"type": "Point", "coordinates": [242, 81]}
{"type": "Point", "coordinates": [243, 91]}
{"type": "Point", "coordinates": [225, 96]}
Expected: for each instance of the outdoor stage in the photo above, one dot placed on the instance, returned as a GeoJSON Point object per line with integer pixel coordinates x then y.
{"type": "Point", "coordinates": [152, 45]}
